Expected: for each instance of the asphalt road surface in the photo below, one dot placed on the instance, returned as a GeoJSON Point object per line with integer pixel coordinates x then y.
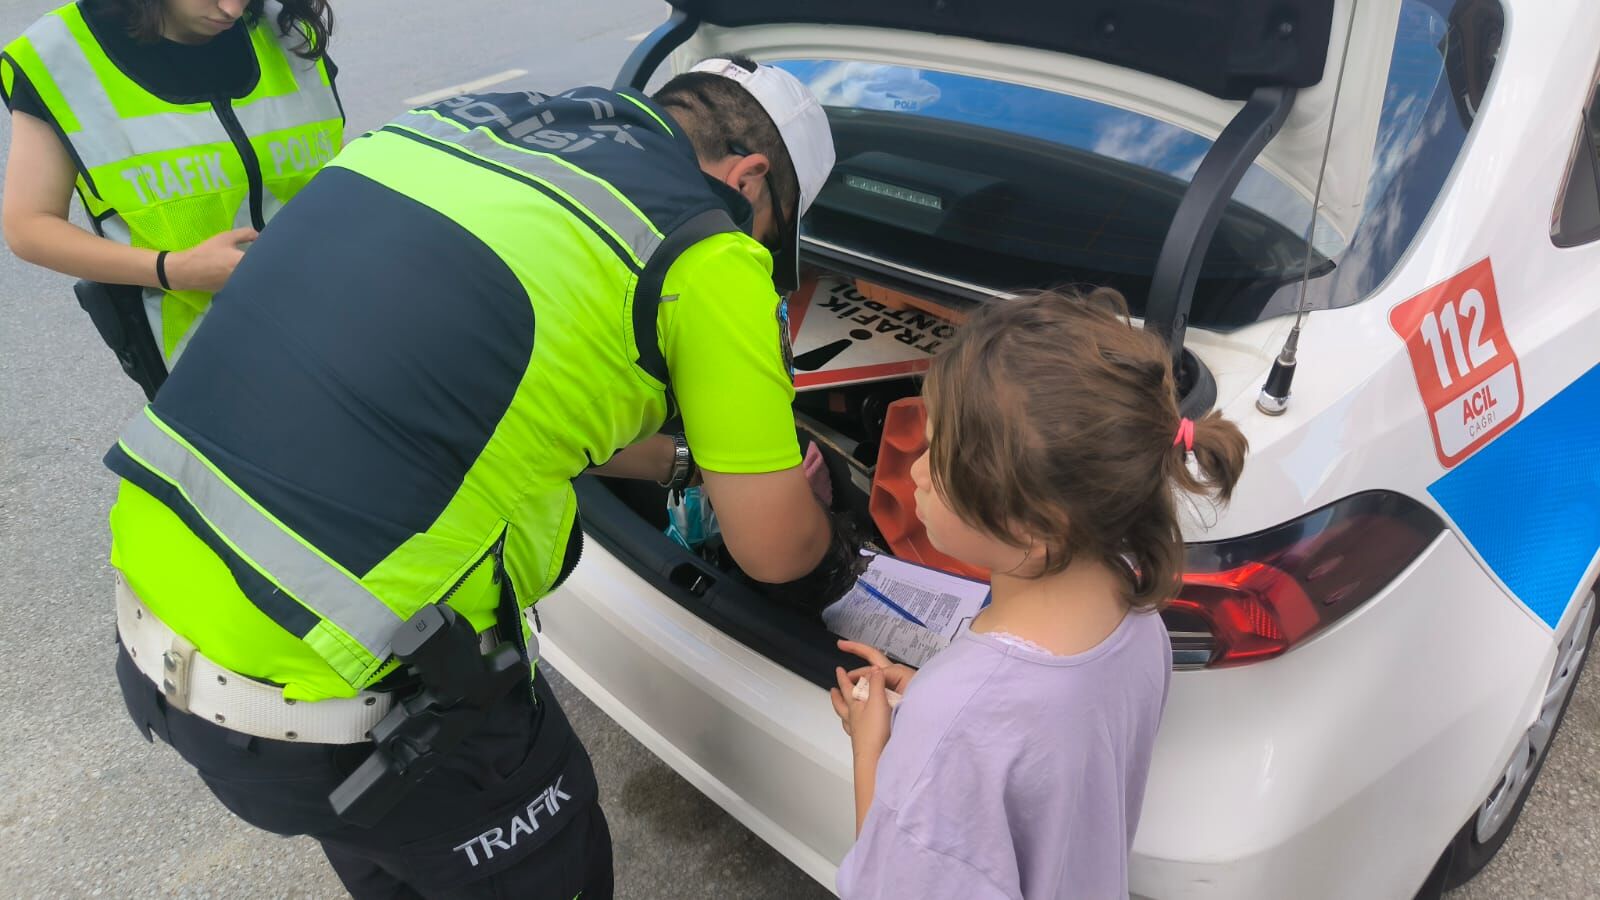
{"type": "Point", "coordinates": [88, 809]}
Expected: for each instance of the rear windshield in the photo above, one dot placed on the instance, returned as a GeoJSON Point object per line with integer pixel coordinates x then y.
{"type": "Point", "coordinates": [1011, 187]}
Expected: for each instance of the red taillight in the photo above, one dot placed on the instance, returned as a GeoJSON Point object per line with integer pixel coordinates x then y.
{"type": "Point", "coordinates": [1253, 612]}
{"type": "Point", "coordinates": [1260, 595]}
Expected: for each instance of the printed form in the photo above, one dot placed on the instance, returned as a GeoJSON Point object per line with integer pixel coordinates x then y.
{"type": "Point", "coordinates": [908, 611]}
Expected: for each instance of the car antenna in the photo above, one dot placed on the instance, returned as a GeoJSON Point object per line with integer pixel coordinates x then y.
{"type": "Point", "coordinates": [1274, 397]}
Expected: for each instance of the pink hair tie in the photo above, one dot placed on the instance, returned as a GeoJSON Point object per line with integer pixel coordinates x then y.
{"type": "Point", "coordinates": [1185, 435]}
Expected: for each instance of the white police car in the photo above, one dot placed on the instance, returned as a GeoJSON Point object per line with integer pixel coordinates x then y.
{"type": "Point", "coordinates": [1378, 638]}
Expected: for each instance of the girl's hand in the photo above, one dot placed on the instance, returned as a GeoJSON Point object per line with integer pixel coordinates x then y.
{"type": "Point", "coordinates": [896, 677]}
{"type": "Point", "coordinates": [207, 265]}
{"type": "Point", "coordinates": [866, 721]}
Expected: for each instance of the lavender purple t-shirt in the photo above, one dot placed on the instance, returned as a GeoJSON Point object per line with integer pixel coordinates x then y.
{"type": "Point", "coordinates": [1012, 772]}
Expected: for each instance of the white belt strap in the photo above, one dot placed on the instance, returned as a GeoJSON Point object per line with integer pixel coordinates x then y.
{"type": "Point", "coordinates": [196, 685]}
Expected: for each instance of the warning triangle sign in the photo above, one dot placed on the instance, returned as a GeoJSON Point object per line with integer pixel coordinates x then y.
{"type": "Point", "coordinates": [840, 336]}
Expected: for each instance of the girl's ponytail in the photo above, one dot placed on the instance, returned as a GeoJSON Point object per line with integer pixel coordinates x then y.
{"type": "Point", "coordinates": [1218, 447]}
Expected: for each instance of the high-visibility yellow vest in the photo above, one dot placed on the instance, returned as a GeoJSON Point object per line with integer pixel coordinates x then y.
{"type": "Point", "coordinates": [417, 444]}
{"type": "Point", "coordinates": [166, 176]}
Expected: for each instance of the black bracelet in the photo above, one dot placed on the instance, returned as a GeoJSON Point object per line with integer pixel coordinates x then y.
{"type": "Point", "coordinates": [161, 270]}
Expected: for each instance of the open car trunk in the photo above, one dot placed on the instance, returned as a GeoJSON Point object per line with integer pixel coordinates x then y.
{"type": "Point", "coordinates": [924, 205]}
{"type": "Point", "coordinates": [845, 420]}
{"type": "Point", "coordinates": [629, 519]}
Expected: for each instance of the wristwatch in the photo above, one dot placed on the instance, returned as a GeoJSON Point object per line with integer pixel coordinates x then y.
{"type": "Point", "coordinates": [682, 465]}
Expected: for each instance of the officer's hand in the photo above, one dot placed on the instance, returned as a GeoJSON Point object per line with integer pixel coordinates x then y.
{"type": "Point", "coordinates": [207, 265]}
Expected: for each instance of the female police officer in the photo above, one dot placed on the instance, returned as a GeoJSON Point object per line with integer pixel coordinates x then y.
{"type": "Point", "coordinates": [367, 456]}
{"type": "Point", "coordinates": [184, 126]}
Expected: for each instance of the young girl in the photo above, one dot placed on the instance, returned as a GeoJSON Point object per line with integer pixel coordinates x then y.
{"type": "Point", "coordinates": [1019, 755]}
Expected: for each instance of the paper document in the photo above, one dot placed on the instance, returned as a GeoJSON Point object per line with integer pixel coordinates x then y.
{"type": "Point", "coordinates": [908, 611]}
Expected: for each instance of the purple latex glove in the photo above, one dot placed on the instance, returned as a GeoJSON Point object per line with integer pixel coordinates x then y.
{"type": "Point", "coordinates": [816, 471]}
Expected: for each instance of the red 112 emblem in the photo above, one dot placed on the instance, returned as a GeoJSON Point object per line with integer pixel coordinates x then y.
{"type": "Point", "coordinates": [1466, 371]}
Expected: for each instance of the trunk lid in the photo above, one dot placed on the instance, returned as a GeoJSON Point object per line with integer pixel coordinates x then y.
{"type": "Point", "coordinates": [1191, 64]}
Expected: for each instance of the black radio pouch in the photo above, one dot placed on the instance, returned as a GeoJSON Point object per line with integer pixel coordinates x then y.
{"type": "Point", "coordinates": [117, 311]}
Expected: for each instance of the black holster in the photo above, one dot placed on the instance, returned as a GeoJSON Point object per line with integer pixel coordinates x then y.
{"type": "Point", "coordinates": [117, 311]}
{"type": "Point", "coordinates": [459, 686]}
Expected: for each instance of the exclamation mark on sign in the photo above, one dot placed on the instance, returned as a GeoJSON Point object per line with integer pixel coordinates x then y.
{"type": "Point", "coordinates": [812, 360]}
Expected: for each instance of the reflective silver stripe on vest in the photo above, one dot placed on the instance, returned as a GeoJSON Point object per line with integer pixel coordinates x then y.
{"type": "Point", "coordinates": [241, 216]}
{"type": "Point", "coordinates": [312, 101]}
{"type": "Point", "coordinates": [183, 342]}
{"type": "Point", "coordinates": [631, 227]}
{"type": "Point", "coordinates": [270, 206]}
{"type": "Point", "coordinates": [114, 228]}
{"type": "Point", "coordinates": [105, 137]}
{"type": "Point", "coordinates": [312, 580]}
{"type": "Point", "coordinates": [155, 300]}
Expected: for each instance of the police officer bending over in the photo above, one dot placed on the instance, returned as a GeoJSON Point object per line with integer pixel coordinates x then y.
{"type": "Point", "coordinates": [334, 512]}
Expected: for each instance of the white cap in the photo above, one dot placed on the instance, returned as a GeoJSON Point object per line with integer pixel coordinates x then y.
{"type": "Point", "coordinates": [803, 126]}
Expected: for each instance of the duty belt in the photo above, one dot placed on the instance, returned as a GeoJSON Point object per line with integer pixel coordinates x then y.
{"type": "Point", "coordinates": [195, 684]}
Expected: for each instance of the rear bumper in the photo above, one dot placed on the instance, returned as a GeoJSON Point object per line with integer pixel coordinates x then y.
{"type": "Point", "coordinates": [1343, 769]}
{"type": "Point", "coordinates": [1340, 770]}
{"type": "Point", "coordinates": [761, 742]}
